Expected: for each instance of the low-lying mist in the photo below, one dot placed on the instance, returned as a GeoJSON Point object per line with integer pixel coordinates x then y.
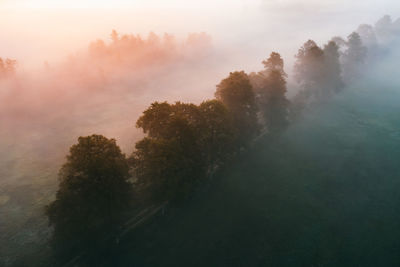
{"type": "Point", "coordinates": [104, 89]}
{"type": "Point", "coordinates": [101, 90]}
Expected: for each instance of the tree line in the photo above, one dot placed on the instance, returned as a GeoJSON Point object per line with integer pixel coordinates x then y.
{"type": "Point", "coordinates": [185, 143]}
{"type": "Point", "coordinates": [128, 50]}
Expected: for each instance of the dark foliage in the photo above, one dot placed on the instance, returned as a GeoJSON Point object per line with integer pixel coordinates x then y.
{"type": "Point", "coordinates": [236, 92]}
{"type": "Point", "coordinates": [185, 143]}
{"type": "Point", "coordinates": [270, 88]}
{"type": "Point", "coordinates": [92, 197]}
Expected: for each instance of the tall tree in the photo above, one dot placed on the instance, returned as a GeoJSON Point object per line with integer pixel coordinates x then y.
{"type": "Point", "coordinates": [184, 144]}
{"type": "Point", "coordinates": [93, 195]}
{"type": "Point", "coordinates": [273, 102]}
{"type": "Point", "coordinates": [237, 94]}
{"type": "Point", "coordinates": [309, 70]}
{"type": "Point", "coordinates": [354, 58]}
{"type": "Point", "coordinates": [333, 70]}
{"type": "Point", "coordinates": [274, 63]}
{"type": "Point", "coordinates": [318, 71]}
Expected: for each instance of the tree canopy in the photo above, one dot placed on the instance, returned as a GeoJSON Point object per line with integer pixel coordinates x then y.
{"type": "Point", "coordinates": [184, 143]}
{"type": "Point", "coordinates": [318, 71]}
{"type": "Point", "coordinates": [236, 92]}
{"type": "Point", "coordinates": [354, 57]}
{"type": "Point", "coordinates": [309, 68]}
{"type": "Point", "coordinates": [270, 87]}
{"type": "Point", "coordinates": [93, 194]}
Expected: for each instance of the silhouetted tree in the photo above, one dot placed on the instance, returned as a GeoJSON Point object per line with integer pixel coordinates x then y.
{"type": "Point", "coordinates": [93, 195]}
{"type": "Point", "coordinates": [217, 133]}
{"type": "Point", "coordinates": [184, 143]}
{"type": "Point", "coordinates": [237, 94]}
{"type": "Point", "coordinates": [271, 90]}
{"type": "Point", "coordinates": [158, 120]}
{"type": "Point", "coordinates": [169, 161]}
{"type": "Point", "coordinates": [167, 168]}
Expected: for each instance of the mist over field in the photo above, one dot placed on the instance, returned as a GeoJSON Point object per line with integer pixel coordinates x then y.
{"type": "Point", "coordinates": [324, 192]}
{"type": "Point", "coordinates": [43, 113]}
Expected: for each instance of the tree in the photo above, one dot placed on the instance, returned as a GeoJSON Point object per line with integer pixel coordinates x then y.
{"type": "Point", "coordinates": [318, 71]}
{"type": "Point", "coordinates": [93, 195]}
{"type": "Point", "coordinates": [7, 67]}
{"type": "Point", "coordinates": [369, 39]}
{"type": "Point", "coordinates": [170, 160]}
{"type": "Point", "coordinates": [159, 120]}
{"type": "Point", "coordinates": [217, 133]}
{"type": "Point", "coordinates": [309, 69]}
{"type": "Point", "coordinates": [237, 94]}
{"type": "Point", "coordinates": [271, 93]}
{"type": "Point", "coordinates": [309, 74]}
{"type": "Point", "coordinates": [367, 34]}
{"type": "Point", "coordinates": [167, 168]}
{"type": "Point", "coordinates": [354, 57]}
{"type": "Point", "coordinates": [333, 70]}
{"type": "Point", "coordinates": [274, 63]}
{"type": "Point", "coordinates": [184, 144]}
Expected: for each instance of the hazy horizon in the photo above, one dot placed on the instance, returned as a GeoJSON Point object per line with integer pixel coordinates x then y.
{"type": "Point", "coordinates": [29, 37]}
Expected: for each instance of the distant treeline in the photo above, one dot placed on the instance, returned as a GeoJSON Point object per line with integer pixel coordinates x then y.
{"type": "Point", "coordinates": [130, 50]}
{"type": "Point", "coordinates": [186, 143]}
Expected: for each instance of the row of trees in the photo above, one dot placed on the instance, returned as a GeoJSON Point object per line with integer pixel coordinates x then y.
{"type": "Point", "coordinates": [380, 36]}
{"type": "Point", "coordinates": [324, 71]}
{"type": "Point", "coordinates": [130, 50]}
{"type": "Point", "coordinates": [184, 145]}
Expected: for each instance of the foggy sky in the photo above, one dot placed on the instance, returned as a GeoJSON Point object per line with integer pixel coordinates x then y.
{"type": "Point", "coordinates": [34, 31]}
